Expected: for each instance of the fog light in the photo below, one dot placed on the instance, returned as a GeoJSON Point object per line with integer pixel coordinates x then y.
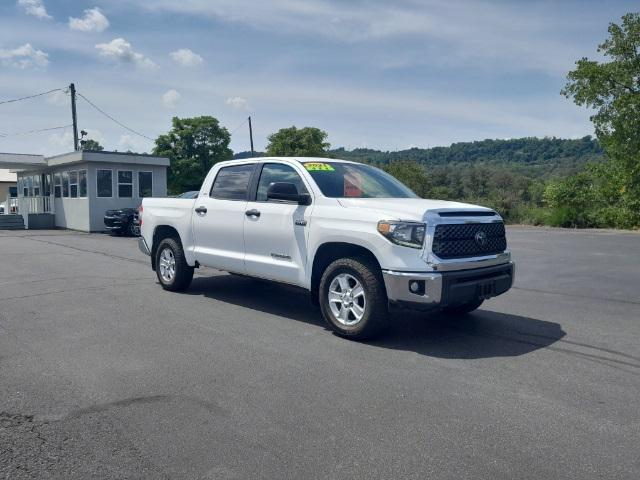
{"type": "Point", "coordinates": [417, 287]}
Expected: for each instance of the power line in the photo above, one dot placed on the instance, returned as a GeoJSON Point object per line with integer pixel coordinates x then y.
{"type": "Point", "coordinates": [236, 129]}
{"type": "Point", "coordinates": [113, 119]}
{"type": "Point", "coordinates": [34, 131]}
{"type": "Point", "coordinates": [31, 96]}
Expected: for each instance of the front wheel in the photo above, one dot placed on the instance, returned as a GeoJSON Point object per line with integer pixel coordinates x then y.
{"type": "Point", "coordinates": [172, 269]}
{"type": "Point", "coordinates": [353, 300]}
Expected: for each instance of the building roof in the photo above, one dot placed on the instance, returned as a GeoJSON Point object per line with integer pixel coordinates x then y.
{"type": "Point", "coordinates": [19, 161]}
{"type": "Point", "coordinates": [109, 157]}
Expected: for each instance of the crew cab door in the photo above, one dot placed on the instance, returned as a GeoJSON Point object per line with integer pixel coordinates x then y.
{"type": "Point", "coordinates": [275, 232]}
{"type": "Point", "coordinates": [218, 219]}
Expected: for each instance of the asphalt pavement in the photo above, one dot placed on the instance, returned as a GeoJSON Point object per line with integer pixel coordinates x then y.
{"type": "Point", "coordinates": [105, 375]}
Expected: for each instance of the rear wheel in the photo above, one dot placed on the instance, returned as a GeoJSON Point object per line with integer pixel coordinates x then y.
{"type": "Point", "coordinates": [463, 308]}
{"type": "Point", "coordinates": [173, 272]}
{"type": "Point", "coordinates": [353, 300]}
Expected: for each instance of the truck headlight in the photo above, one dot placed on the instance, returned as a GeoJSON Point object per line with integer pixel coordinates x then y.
{"type": "Point", "coordinates": [407, 234]}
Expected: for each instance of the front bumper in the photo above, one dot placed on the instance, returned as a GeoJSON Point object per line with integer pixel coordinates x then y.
{"type": "Point", "coordinates": [426, 290]}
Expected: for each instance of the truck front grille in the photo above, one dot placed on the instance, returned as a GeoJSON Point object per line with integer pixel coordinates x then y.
{"type": "Point", "coordinates": [469, 239]}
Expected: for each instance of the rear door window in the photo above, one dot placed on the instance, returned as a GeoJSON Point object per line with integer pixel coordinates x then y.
{"type": "Point", "coordinates": [232, 182]}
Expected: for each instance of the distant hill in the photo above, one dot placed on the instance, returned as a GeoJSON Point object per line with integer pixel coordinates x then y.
{"type": "Point", "coordinates": [535, 157]}
{"type": "Point", "coordinates": [538, 157]}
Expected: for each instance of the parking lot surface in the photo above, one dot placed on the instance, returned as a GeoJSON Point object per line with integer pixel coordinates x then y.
{"type": "Point", "coordinates": [105, 375]}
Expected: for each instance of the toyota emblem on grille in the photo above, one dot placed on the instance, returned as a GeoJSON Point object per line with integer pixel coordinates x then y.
{"type": "Point", "coordinates": [480, 238]}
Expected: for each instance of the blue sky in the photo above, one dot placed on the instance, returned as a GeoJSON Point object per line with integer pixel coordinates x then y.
{"type": "Point", "coordinates": [379, 74]}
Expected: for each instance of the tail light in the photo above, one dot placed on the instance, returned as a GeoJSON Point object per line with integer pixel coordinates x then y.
{"type": "Point", "coordinates": [140, 210]}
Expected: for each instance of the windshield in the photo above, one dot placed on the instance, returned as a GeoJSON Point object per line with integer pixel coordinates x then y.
{"type": "Point", "coordinates": [354, 180]}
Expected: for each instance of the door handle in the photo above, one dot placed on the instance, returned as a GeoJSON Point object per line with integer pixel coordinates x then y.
{"type": "Point", "coordinates": [252, 213]}
{"type": "Point", "coordinates": [201, 210]}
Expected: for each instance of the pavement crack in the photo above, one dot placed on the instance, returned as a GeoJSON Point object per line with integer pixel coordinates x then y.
{"type": "Point", "coordinates": [85, 289]}
{"type": "Point", "coordinates": [95, 252]}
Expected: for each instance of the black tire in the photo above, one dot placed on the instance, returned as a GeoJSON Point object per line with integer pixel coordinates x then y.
{"type": "Point", "coordinates": [375, 318]}
{"type": "Point", "coordinates": [464, 307]}
{"type": "Point", "coordinates": [183, 273]}
{"type": "Point", "coordinates": [132, 229]}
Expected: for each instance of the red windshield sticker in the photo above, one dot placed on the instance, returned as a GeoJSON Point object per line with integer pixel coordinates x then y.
{"type": "Point", "coordinates": [353, 185]}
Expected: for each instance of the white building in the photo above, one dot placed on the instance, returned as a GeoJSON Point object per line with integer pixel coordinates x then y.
{"type": "Point", "coordinates": [7, 183]}
{"type": "Point", "coordinates": [75, 189]}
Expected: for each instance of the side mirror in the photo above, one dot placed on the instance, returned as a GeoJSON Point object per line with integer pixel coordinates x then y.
{"type": "Point", "coordinates": [288, 192]}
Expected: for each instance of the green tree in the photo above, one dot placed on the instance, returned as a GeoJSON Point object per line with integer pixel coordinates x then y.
{"type": "Point", "coordinates": [612, 88]}
{"type": "Point", "coordinates": [298, 142]}
{"type": "Point", "coordinates": [412, 174]}
{"type": "Point", "coordinates": [92, 145]}
{"type": "Point", "coordinates": [193, 146]}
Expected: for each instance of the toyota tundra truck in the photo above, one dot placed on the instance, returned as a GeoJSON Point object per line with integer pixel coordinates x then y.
{"type": "Point", "coordinates": [358, 240]}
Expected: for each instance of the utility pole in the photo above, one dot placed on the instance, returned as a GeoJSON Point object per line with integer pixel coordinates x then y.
{"type": "Point", "coordinates": [251, 137]}
{"type": "Point", "coordinates": [72, 90]}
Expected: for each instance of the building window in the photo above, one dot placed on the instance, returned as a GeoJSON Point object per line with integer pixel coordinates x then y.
{"type": "Point", "coordinates": [125, 184]}
{"type": "Point", "coordinates": [65, 184]}
{"type": "Point", "coordinates": [36, 185]}
{"type": "Point", "coordinates": [29, 189]}
{"type": "Point", "coordinates": [57, 185]}
{"type": "Point", "coordinates": [104, 183]}
{"type": "Point", "coordinates": [73, 184]}
{"type": "Point", "coordinates": [82, 183]}
{"type": "Point", "coordinates": [145, 184]}
{"type": "Point", "coordinates": [46, 186]}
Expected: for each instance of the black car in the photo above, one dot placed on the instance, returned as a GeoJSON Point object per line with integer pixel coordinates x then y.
{"type": "Point", "coordinates": [122, 221]}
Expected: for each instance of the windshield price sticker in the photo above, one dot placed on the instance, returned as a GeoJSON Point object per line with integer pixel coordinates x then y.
{"type": "Point", "coordinates": [318, 167]}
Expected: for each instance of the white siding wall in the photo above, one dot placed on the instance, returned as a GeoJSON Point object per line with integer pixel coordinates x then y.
{"type": "Point", "coordinates": [71, 213]}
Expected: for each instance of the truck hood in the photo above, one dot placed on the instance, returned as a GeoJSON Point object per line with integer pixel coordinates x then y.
{"type": "Point", "coordinates": [407, 208]}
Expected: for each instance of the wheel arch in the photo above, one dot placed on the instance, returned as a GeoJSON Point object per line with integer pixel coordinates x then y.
{"type": "Point", "coordinates": [160, 233]}
{"type": "Point", "coordinates": [330, 251]}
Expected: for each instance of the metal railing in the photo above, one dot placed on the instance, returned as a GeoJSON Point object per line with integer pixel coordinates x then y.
{"type": "Point", "coordinates": [11, 205]}
{"type": "Point", "coordinates": [29, 205]}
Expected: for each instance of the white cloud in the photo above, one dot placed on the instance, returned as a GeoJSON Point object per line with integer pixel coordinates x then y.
{"type": "Point", "coordinates": [121, 51]}
{"type": "Point", "coordinates": [92, 21]}
{"type": "Point", "coordinates": [95, 135]}
{"type": "Point", "coordinates": [62, 141]}
{"type": "Point", "coordinates": [186, 58]}
{"type": "Point", "coordinates": [170, 98]}
{"type": "Point", "coordinates": [469, 30]}
{"type": "Point", "coordinates": [35, 8]}
{"type": "Point", "coordinates": [24, 56]}
{"type": "Point", "coordinates": [59, 98]}
{"type": "Point", "coordinates": [134, 144]}
{"type": "Point", "coordinates": [238, 103]}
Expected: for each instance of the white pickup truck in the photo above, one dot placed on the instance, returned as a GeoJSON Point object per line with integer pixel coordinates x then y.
{"type": "Point", "coordinates": [356, 238]}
